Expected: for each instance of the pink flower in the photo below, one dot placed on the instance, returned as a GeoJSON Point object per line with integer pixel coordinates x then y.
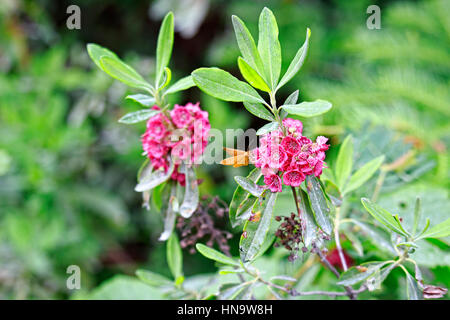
{"type": "Point", "coordinates": [156, 128]}
{"type": "Point", "coordinates": [293, 126]}
{"type": "Point", "coordinates": [181, 116]}
{"type": "Point", "coordinates": [186, 142]}
{"type": "Point", "coordinates": [293, 178]}
{"type": "Point", "coordinates": [273, 182]}
{"type": "Point", "coordinates": [291, 145]}
{"type": "Point", "coordinates": [155, 149]}
{"type": "Point", "coordinates": [182, 149]}
{"type": "Point", "coordinates": [320, 144]}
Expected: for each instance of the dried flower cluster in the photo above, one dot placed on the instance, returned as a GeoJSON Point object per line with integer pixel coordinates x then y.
{"type": "Point", "coordinates": [183, 134]}
{"type": "Point", "coordinates": [289, 155]}
{"type": "Point", "coordinates": [202, 226]}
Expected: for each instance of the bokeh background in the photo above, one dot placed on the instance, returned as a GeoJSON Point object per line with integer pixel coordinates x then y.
{"type": "Point", "coordinates": [68, 169]}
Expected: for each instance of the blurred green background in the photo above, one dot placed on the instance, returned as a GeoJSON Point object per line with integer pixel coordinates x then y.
{"type": "Point", "coordinates": [68, 169]}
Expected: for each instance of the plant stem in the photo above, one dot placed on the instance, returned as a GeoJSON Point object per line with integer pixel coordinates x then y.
{"type": "Point", "coordinates": [350, 292]}
{"type": "Point", "coordinates": [338, 241]}
{"type": "Point", "coordinates": [379, 184]}
{"type": "Point", "coordinates": [294, 193]}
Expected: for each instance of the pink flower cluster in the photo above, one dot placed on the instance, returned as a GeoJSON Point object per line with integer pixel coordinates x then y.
{"type": "Point", "coordinates": [182, 134]}
{"type": "Point", "coordinates": [290, 155]}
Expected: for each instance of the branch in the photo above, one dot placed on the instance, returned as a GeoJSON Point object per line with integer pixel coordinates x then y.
{"type": "Point", "coordinates": [350, 292]}
{"type": "Point", "coordinates": [296, 293]}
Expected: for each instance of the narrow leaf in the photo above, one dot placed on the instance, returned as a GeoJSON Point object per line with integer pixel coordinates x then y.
{"type": "Point", "coordinates": [363, 174]}
{"type": "Point", "coordinates": [416, 216]}
{"type": "Point", "coordinates": [96, 52]}
{"type": "Point", "coordinates": [180, 85]}
{"type": "Point", "coordinates": [247, 44]}
{"type": "Point", "coordinates": [174, 256]}
{"type": "Point", "coordinates": [440, 230]}
{"type": "Point", "coordinates": [309, 227]}
{"type": "Point", "coordinates": [269, 47]}
{"type": "Point", "coordinates": [412, 288]}
{"type": "Point", "coordinates": [258, 110]}
{"type": "Point", "coordinates": [344, 163]}
{"type": "Point", "coordinates": [164, 47]}
{"type": "Point", "coordinates": [138, 116]}
{"type": "Point", "coordinates": [360, 273]}
{"type": "Point", "coordinates": [383, 216]}
{"type": "Point", "coordinates": [153, 279]}
{"type": "Point", "coordinates": [319, 204]}
{"type": "Point", "coordinates": [292, 99]}
{"type": "Point", "coordinates": [297, 62]}
{"type": "Point", "coordinates": [191, 195]}
{"type": "Point", "coordinates": [155, 178]}
{"type": "Point", "coordinates": [124, 73]}
{"type": "Point", "coordinates": [169, 208]}
{"type": "Point", "coordinates": [143, 99]}
{"type": "Point", "coordinates": [240, 195]}
{"type": "Point", "coordinates": [215, 255]}
{"type": "Point", "coordinates": [256, 231]}
{"type": "Point", "coordinates": [222, 85]}
{"type": "Point", "coordinates": [271, 126]}
{"type": "Point", "coordinates": [308, 109]}
{"type": "Point", "coordinates": [249, 186]}
{"type": "Point", "coordinates": [252, 76]}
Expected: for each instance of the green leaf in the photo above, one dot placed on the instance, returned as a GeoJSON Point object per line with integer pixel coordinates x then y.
{"type": "Point", "coordinates": [164, 47]}
{"type": "Point", "coordinates": [363, 174]}
{"type": "Point", "coordinates": [271, 126]}
{"type": "Point", "coordinates": [355, 275]}
{"type": "Point", "coordinates": [153, 279]}
{"type": "Point", "coordinates": [249, 186]}
{"type": "Point", "coordinates": [440, 230]}
{"type": "Point", "coordinates": [319, 204]}
{"type": "Point", "coordinates": [154, 178]}
{"type": "Point", "coordinates": [244, 210]}
{"type": "Point", "coordinates": [143, 99]}
{"type": "Point", "coordinates": [124, 73]}
{"type": "Point", "coordinates": [215, 255]}
{"type": "Point", "coordinates": [383, 216]}
{"type": "Point", "coordinates": [375, 280]}
{"type": "Point", "coordinates": [412, 288]}
{"type": "Point", "coordinates": [344, 162]}
{"type": "Point", "coordinates": [96, 52]}
{"type": "Point", "coordinates": [230, 291]}
{"type": "Point", "coordinates": [310, 227]}
{"type": "Point", "coordinates": [292, 99]}
{"type": "Point", "coordinates": [122, 287]}
{"type": "Point", "coordinates": [180, 85]}
{"type": "Point", "coordinates": [247, 45]}
{"type": "Point", "coordinates": [138, 116]}
{"type": "Point", "coordinates": [357, 245]}
{"type": "Point", "coordinates": [297, 62]}
{"type": "Point", "coordinates": [191, 195]}
{"type": "Point", "coordinates": [257, 109]}
{"type": "Point", "coordinates": [167, 77]}
{"type": "Point", "coordinates": [240, 195]}
{"type": "Point", "coordinates": [256, 231]}
{"type": "Point", "coordinates": [252, 76]}
{"type": "Point", "coordinates": [174, 256]}
{"type": "Point", "coordinates": [269, 47]}
{"type": "Point", "coordinates": [308, 109]}
{"type": "Point", "coordinates": [222, 85]}
{"type": "Point", "coordinates": [377, 236]}
{"type": "Point", "coordinates": [416, 216]}
{"type": "Point", "coordinates": [169, 208]}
